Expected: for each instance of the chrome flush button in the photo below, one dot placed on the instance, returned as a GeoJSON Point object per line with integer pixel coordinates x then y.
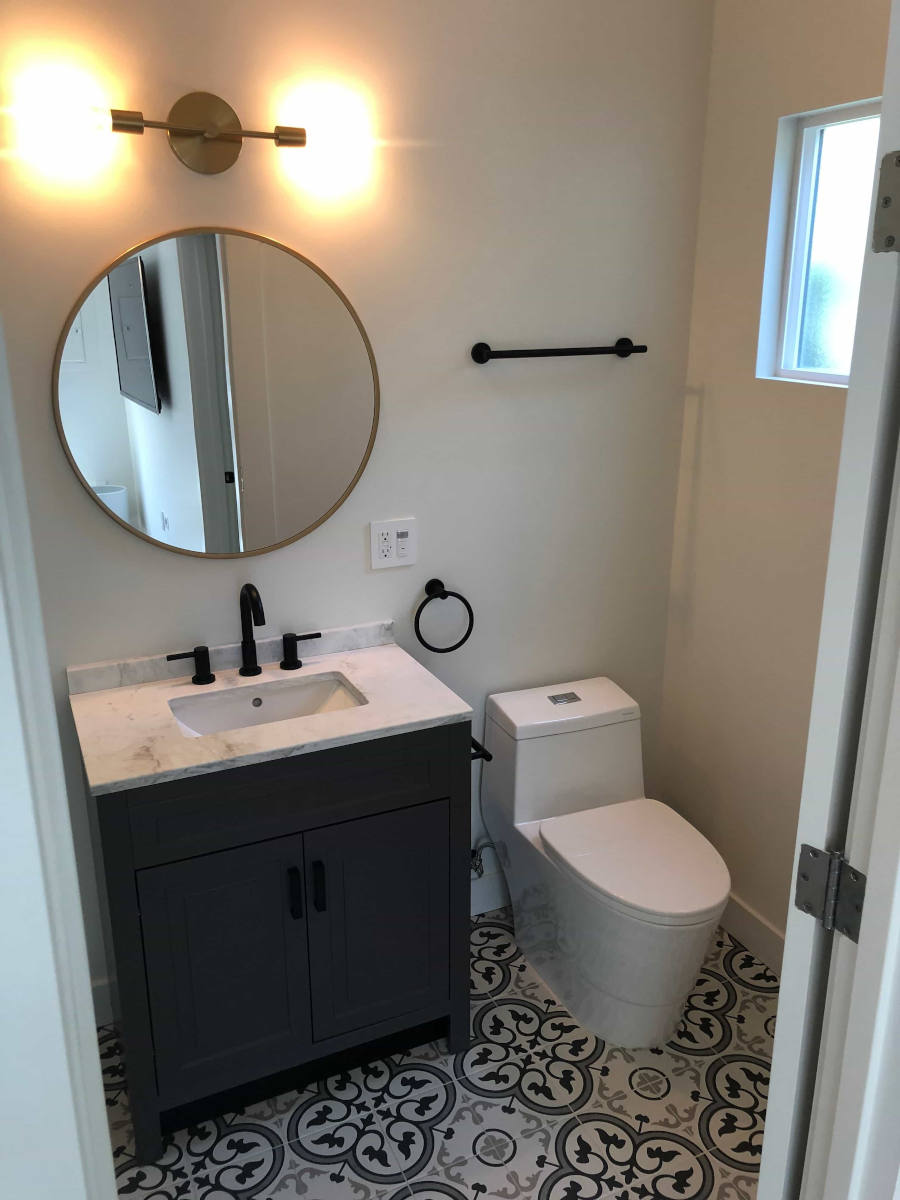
{"type": "Point", "coordinates": [564, 698]}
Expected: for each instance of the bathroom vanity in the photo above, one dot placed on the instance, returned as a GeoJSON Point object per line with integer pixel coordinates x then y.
{"type": "Point", "coordinates": [284, 891]}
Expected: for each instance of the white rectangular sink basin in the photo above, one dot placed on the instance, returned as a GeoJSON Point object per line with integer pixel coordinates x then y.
{"type": "Point", "coordinates": [240, 707]}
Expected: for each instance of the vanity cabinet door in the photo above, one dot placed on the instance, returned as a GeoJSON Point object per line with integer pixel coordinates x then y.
{"type": "Point", "coordinates": [378, 901]}
{"type": "Point", "coordinates": [226, 959]}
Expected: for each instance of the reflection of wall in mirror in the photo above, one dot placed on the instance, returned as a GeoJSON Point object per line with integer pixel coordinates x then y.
{"type": "Point", "coordinates": [91, 407]}
{"type": "Point", "coordinates": [164, 446]}
{"type": "Point", "coordinates": [302, 389]}
{"type": "Point", "coordinates": [115, 441]}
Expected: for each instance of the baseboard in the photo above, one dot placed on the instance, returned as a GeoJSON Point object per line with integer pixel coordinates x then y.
{"type": "Point", "coordinates": [758, 935]}
{"type": "Point", "coordinates": [488, 892]}
{"type": "Point", "coordinates": [102, 992]}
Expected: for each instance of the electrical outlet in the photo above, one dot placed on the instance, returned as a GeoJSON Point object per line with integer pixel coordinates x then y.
{"type": "Point", "coordinates": [393, 543]}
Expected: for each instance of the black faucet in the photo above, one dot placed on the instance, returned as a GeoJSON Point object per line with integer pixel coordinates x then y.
{"type": "Point", "coordinates": [251, 614]}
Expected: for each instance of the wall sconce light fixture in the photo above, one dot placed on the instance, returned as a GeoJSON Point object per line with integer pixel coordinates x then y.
{"type": "Point", "coordinates": [204, 131]}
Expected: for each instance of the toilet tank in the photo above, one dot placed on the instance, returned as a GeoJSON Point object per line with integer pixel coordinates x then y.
{"type": "Point", "coordinates": [562, 748]}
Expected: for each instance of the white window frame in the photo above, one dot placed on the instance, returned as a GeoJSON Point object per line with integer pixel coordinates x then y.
{"type": "Point", "coordinates": [790, 231]}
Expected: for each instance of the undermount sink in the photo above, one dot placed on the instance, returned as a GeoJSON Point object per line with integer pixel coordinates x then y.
{"type": "Point", "coordinates": [240, 707]}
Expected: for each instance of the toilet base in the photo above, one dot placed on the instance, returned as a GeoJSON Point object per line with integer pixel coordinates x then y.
{"type": "Point", "coordinates": [617, 1022]}
{"type": "Point", "coordinates": [623, 978]}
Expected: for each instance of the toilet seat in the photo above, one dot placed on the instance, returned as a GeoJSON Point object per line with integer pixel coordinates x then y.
{"type": "Point", "coordinates": [641, 857]}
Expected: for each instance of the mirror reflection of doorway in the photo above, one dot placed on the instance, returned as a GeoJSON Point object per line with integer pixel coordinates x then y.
{"type": "Point", "coordinates": [221, 389]}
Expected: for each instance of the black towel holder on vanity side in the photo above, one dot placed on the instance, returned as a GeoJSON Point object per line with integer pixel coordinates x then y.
{"type": "Point", "coordinates": [623, 348]}
{"type": "Point", "coordinates": [478, 751]}
{"type": "Point", "coordinates": [435, 590]}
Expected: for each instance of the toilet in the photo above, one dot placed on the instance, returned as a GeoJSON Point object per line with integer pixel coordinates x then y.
{"type": "Point", "coordinates": [615, 896]}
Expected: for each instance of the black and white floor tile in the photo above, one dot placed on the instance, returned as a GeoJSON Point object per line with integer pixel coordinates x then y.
{"type": "Point", "coordinates": [537, 1107]}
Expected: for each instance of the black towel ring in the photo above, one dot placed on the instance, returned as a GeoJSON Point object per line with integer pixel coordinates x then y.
{"type": "Point", "coordinates": [435, 590]}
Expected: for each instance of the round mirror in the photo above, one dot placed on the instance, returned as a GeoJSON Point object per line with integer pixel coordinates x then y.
{"type": "Point", "coordinates": [216, 393]}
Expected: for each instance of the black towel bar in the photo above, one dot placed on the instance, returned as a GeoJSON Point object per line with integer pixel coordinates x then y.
{"type": "Point", "coordinates": [623, 348]}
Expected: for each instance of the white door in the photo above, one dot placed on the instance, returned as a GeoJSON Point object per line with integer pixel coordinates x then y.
{"type": "Point", "coordinates": [837, 1000]}
{"type": "Point", "coordinates": [54, 1141]}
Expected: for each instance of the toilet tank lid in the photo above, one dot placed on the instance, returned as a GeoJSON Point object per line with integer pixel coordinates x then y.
{"type": "Point", "coordinates": [561, 708]}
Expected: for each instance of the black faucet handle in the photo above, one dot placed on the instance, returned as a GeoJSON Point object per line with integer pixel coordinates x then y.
{"type": "Point", "coordinates": [289, 641]}
{"type": "Point", "coordinates": [200, 655]}
{"type": "Point", "coordinates": [290, 662]}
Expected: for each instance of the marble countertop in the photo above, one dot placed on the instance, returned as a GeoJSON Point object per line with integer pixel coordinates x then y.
{"type": "Point", "coordinates": [129, 736]}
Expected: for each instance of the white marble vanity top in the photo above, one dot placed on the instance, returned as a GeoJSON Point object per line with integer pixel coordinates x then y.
{"type": "Point", "coordinates": [129, 736]}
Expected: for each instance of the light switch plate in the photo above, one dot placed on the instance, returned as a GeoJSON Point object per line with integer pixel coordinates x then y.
{"type": "Point", "coordinates": [394, 543]}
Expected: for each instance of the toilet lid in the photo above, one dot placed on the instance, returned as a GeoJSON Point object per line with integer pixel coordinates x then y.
{"type": "Point", "coordinates": [642, 856]}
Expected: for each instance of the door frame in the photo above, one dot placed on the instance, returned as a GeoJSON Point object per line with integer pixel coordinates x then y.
{"type": "Point", "coordinates": [815, 992]}
{"type": "Point", "coordinates": [204, 326]}
{"type": "Point", "coordinates": [836, 720]}
{"type": "Point", "coordinates": [57, 1103]}
{"type": "Point", "coordinates": [854, 1152]}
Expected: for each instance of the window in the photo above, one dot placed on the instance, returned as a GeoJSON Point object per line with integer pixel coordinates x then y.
{"type": "Point", "coordinates": [818, 232]}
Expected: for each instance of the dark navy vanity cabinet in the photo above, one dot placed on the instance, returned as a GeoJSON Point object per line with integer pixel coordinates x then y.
{"type": "Point", "coordinates": [268, 917]}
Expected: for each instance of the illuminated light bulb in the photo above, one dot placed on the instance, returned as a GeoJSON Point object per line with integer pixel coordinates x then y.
{"type": "Point", "coordinates": [339, 159]}
{"type": "Point", "coordinates": [60, 123]}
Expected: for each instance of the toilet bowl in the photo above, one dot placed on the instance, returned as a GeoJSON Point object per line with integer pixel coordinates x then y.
{"type": "Point", "coordinates": [615, 896]}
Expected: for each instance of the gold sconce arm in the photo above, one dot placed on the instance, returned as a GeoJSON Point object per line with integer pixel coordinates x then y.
{"type": "Point", "coordinates": [204, 132]}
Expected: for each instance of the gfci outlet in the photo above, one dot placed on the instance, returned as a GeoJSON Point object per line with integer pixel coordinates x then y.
{"type": "Point", "coordinates": [394, 543]}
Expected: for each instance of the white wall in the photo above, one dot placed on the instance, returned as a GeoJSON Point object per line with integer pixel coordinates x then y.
{"type": "Point", "coordinates": [543, 190]}
{"type": "Point", "coordinates": [92, 409]}
{"type": "Point", "coordinates": [758, 467]}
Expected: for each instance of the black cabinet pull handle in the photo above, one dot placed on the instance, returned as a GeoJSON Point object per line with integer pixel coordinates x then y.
{"type": "Point", "coordinates": [320, 901]}
{"type": "Point", "coordinates": [295, 892]}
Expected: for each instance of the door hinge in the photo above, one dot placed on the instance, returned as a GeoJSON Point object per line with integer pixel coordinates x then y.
{"type": "Point", "coordinates": [830, 890]}
{"type": "Point", "coordinates": [886, 227]}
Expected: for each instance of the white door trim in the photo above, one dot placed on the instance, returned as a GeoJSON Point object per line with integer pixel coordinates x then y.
{"type": "Point", "coordinates": [854, 567]}
{"type": "Point", "coordinates": [862, 1155]}
{"type": "Point", "coordinates": [50, 1015]}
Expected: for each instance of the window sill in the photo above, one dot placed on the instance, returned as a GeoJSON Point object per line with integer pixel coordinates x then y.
{"type": "Point", "coordinates": [837, 382]}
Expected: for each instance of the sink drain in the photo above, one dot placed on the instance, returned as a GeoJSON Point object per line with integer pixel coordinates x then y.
{"type": "Point", "coordinates": [256, 702]}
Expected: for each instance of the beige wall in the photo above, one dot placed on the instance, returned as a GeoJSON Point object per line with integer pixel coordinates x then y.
{"type": "Point", "coordinates": [545, 191]}
{"type": "Point", "coordinates": [759, 460]}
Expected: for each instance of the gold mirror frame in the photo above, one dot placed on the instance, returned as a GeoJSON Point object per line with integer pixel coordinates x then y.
{"type": "Point", "coordinates": [258, 237]}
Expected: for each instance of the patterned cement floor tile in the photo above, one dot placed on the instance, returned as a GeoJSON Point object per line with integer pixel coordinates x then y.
{"type": "Point", "coordinates": [289, 1172]}
{"type": "Point", "coordinates": [603, 1155]}
{"type": "Point", "coordinates": [480, 1147]}
{"type": "Point", "coordinates": [493, 957]}
{"type": "Point", "coordinates": [540, 1057]}
{"type": "Point", "coordinates": [168, 1179]}
{"type": "Point", "coordinates": [536, 1109]}
{"type": "Point", "coordinates": [118, 1110]}
{"type": "Point", "coordinates": [438, 1052]}
{"type": "Point", "coordinates": [362, 1156]}
{"type": "Point", "coordinates": [733, 1185]}
{"type": "Point", "coordinates": [711, 1016]}
{"type": "Point", "coordinates": [651, 1087]}
{"type": "Point", "coordinates": [336, 1100]}
{"type": "Point", "coordinates": [732, 958]}
{"type": "Point", "coordinates": [752, 1011]}
{"type": "Point", "coordinates": [735, 1095]}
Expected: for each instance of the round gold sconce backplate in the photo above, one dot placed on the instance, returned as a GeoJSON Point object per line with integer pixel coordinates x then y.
{"type": "Point", "coordinates": [218, 147]}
